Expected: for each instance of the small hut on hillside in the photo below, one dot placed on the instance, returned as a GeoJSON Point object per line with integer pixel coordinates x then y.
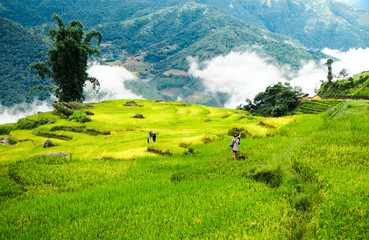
{"type": "Point", "coordinates": [316, 97]}
{"type": "Point", "coordinates": [304, 96]}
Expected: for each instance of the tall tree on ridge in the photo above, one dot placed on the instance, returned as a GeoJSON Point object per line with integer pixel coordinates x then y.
{"type": "Point", "coordinates": [330, 75]}
{"type": "Point", "coordinates": [67, 62]}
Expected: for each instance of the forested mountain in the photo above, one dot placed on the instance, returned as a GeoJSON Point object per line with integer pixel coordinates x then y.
{"type": "Point", "coordinates": [317, 24]}
{"type": "Point", "coordinates": [168, 36]}
{"type": "Point", "coordinates": [162, 41]}
{"type": "Point", "coordinates": [19, 48]}
{"type": "Point", "coordinates": [154, 38]}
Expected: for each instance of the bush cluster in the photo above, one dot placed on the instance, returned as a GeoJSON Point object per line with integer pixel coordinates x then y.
{"type": "Point", "coordinates": [276, 101]}
{"type": "Point", "coordinates": [25, 123]}
{"type": "Point", "coordinates": [4, 131]}
{"type": "Point", "coordinates": [80, 116]}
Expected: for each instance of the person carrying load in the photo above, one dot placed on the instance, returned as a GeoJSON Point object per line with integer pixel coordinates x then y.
{"type": "Point", "coordinates": [234, 145]}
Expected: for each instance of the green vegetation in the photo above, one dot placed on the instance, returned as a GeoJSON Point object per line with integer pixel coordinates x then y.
{"type": "Point", "coordinates": [80, 116]}
{"type": "Point", "coordinates": [335, 30]}
{"type": "Point", "coordinates": [25, 123]}
{"type": "Point", "coordinates": [19, 48]}
{"type": "Point", "coordinates": [329, 66]}
{"type": "Point", "coordinates": [162, 41]}
{"type": "Point", "coordinates": [159, 39]}
{"type": "Point", "coordinates": [4, 130]}
{"type": "Point", "coordinates": [357, 85]}
{"type": "Point", "coordinates": [297, 177]}
{"type": "Point", "coordinates": [67, 62]}
{"type": "Point", "coordinates": [316, 106]}
{"type": "Point", "coordinates": [152, 38]}
{"type": "Point", "coordinates": [276, 101]}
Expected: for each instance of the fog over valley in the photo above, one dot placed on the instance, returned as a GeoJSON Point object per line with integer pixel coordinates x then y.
{"type": "Point", "coordinates": [241, 75]}
{"type": "Point", "coordinates": [211, 53]}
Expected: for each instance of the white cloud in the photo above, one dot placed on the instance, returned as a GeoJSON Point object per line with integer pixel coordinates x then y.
{"type": "Point", "coordinates": [243, 75]}
{"type": "Point", "coordinates": [112, 83]}
{"type": "Point", "coordinates": [12, 114]}
{"type": "Point", "coordinates": [112, 87]}
{"type": "Point", "coordinates": [354, 61]}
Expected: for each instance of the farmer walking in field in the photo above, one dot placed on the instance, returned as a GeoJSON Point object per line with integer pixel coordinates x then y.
{"type": "Point", "coordinates": [234, 145]}
{"type": "Point", "coordinates": [152, 136]}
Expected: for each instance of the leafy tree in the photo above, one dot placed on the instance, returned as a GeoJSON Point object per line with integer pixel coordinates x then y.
{"type": "Point", "coordinates": [343, 73]}
{"type": "Point", "coordinates": [67, 62]}
{"type": "Point", "coordinates": [330, 75]}
{"type": "Point", "coordinates": [276, 101]}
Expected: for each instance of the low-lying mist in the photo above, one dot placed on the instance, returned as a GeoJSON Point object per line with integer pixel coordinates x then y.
{"type": "Point", "coordinates": [12, 114]}
{"type": "Point", "coordinates": [243, 75]}
{"type": "Point", "coordinates": [112, 83]}
{"type": "Point", "coordinates": [112, 87]}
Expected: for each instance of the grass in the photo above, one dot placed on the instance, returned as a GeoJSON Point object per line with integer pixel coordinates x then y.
{"type": "Point", "coordinates": [298, 177]}
{"type": "Point", "coordinates": [316, 106]}
{"type": "Point", "coordinates": [172, 121]}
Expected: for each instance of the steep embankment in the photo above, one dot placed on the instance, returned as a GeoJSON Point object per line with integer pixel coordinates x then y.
{"type": "Point", "coordinates": [353, 87]}
{"type": "Point", "coordinates": [301, 177]}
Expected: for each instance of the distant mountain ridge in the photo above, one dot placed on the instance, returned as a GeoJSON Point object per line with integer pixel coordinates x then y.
{"type": "Point", "coordinates": [162, 42]}
{"type": "Point", "coordinates": [317, 24]}
{"type": "Point", "coordinates": [154, 38]}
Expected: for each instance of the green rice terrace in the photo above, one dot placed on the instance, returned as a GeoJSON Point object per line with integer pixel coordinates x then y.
{"type": "Point", "coordinates": [316, 106]}
{"type": "Point", "coordinates": [296, 177]}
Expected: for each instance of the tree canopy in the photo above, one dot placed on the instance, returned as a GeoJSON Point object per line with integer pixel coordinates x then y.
{"type": "Point", "coordinates": [67, 62]}
{"type": "Point", "coordinates": [329, 65]}
{"type": "Point", "coordinates": [275, 101]}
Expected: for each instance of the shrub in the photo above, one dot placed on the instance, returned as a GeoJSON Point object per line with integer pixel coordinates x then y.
{"type": "Point", "coordinates": [207, 139]}
{"type": "Point", "coordinates": [4, 131]}
{"type": "Point", "coordinates": [273, 178]}
{"type": "Point", "coordinates": [276, 101]}
{"type": "Point", "coordinates": [62, 109]}
{"type": "Point", "coordinates": [25, 123]}
{"type": "Point", "coordinates": [12, 141]}
{"type": "Point", "coordinates": [80, 116]}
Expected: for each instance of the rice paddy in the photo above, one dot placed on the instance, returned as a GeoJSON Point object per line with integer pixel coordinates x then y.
{"type": "Point", "coordinates": [296, 177]}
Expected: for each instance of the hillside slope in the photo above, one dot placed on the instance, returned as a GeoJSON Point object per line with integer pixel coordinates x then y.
{"type": "Point", "coordinates": [154, 38]}
{"type": "Point", "coordinates": [356, 86]}
{"type": "Point", "coordinates": [20, 48]}
{"type": "Point", "coordinates": [301, 177]}
{"type": "Point", "coordinates": [163, 41]}
{"type": "Point", "coordinates": [156, 47]}
{"type": "Point", "coordinates": [317, 24]}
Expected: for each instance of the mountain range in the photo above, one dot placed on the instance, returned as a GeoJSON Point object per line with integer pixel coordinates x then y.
{"type": "Point", "coordinates": [154, 39]}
